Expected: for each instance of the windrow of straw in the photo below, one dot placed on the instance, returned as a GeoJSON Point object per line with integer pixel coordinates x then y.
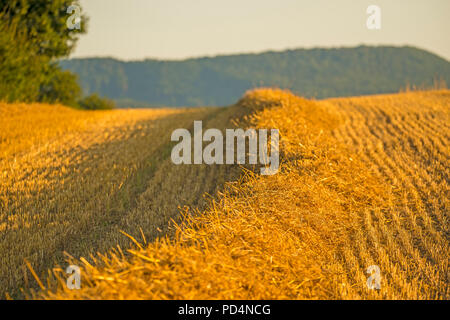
{"type": "Point", "coordinates": [308, 232]}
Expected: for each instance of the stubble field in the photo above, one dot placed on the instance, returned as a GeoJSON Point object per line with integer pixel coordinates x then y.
{"type": "Point", "coordinates": [363, 181]}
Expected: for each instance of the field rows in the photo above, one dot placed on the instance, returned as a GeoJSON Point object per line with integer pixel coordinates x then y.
{"type": "Point", "coordinates": [363, 181]}
{"type": "Point", "coordinates": [406, 142]}
{"type": "Point", "coordinates": [72, 179]}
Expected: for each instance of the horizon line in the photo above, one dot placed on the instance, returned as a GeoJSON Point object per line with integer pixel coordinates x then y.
{"type": "Point", "coordinates": [218, 55]}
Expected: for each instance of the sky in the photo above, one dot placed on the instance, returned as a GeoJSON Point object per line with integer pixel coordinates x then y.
{"type": "Point", "coordinates": [179, 29]}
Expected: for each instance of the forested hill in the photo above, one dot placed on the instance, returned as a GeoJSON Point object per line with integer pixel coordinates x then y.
{"type": "Point", "coordinates": [222, 80]}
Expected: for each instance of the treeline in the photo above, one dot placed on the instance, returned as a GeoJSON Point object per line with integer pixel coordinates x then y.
{"type": "Point", "coordinates": [33, 36]}
{"type": "Point", "coordinates": [222, 80]}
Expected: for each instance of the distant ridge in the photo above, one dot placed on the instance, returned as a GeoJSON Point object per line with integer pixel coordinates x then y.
{"type": "Point", "coordinates": [221, 80]}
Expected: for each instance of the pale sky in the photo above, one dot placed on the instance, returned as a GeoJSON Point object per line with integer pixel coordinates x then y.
{"type": "Point", "coordinates": [177, 29]}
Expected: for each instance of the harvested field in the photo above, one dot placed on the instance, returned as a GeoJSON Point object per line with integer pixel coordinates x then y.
{"type": "Point", "coordinates": [363, 181]}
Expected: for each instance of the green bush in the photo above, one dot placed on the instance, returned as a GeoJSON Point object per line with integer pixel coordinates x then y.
{"type": "Point", "coordinates": [22, 69]}
{"type": "Point", "coordinates": [61, 87]}
{"type": "Point", "coordinates": [94, 102]}
{"type": "Point", "coordinates": [33, 35]}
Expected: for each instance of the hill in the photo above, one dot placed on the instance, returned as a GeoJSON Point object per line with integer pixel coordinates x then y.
{"type": "Point", "coordinates": [220, 80]}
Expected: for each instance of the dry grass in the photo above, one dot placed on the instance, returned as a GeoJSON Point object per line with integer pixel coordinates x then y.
{"type": "Point", "coordinates": [404, 140]}
{"type": "Point", "coordinates": [363, 181]}
{"type": "Point", "coordinates": [72, 179]}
